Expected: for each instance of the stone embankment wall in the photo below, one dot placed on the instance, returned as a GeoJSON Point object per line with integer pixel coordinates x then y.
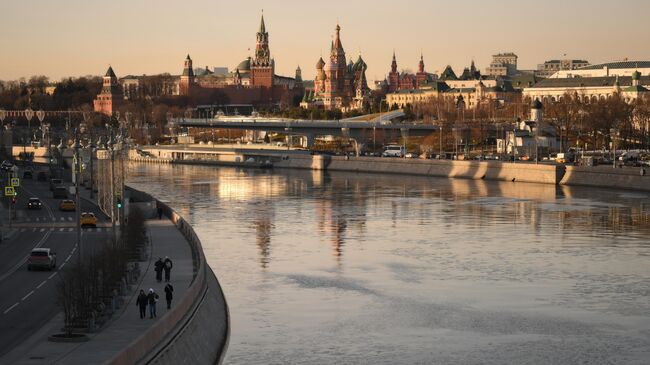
{"type": "Point", "coordinates": [196, 330]}
{"type": "Point", "coordinates": [598, 176]}
{"type": "Point", "coordinates": [608, 177]}
{"type": "Point", "coordinates": [488, 170]}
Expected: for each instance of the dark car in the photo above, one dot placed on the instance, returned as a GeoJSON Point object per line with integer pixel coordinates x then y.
{"type": "Point", "coordinates": [34, 203]}
{"type": "Point", "coordinates": [54, 183]}
{"type": "Point", "coordinates": [42, 176]}
{"type": "Point", "coordinates": [60, 192]}
{"type": "Point", "coordinates": [28, 175]}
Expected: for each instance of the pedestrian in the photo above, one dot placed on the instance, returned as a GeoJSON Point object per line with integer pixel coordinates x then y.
{"type": "Point", "coordinates": [160, 212]}
{"type": "Point", "coordinates": [152, 298]}
{"type": "Point", "coordinates": [142, 303]}
{"type": "Point", "coordinates": [168, 268]}
{"type": "Point", "coordinates": [158, 267]}
{"type": "Point", "coordinates": [169, 294]}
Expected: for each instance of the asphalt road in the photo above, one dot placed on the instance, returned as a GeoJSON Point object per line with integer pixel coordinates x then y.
{"type": "Point", "coordinates": [28, 299]}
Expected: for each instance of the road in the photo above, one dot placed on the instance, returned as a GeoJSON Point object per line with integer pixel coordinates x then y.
{"type": "Point", "coordinates": [28, 299]}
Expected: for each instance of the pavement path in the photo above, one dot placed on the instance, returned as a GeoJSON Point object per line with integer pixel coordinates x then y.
{"type": "Point", "coordinates": [126, 325]}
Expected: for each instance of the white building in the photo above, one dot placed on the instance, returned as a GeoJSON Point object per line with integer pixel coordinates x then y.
{"type": "Point", "coordinates": [609, 69]}
{"type": "Point", "coordinates": [530, 138]}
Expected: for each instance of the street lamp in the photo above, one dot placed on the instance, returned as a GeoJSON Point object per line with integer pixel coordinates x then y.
{"type": "Point", "coordinates": [76, 173]}
{"type": "Point", "coordinates": [613, 132]}
{"type": "Point", "coordinates": [92, 147]}
{"type": "Point", "coordinates": [110, 146]}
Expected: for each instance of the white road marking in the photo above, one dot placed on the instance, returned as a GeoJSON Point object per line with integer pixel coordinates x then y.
{"type": "Point", "coordinates": [10, 308]}
{"type": "Point", "coordinates": [70, 219]}
{"type": "Point", "coordinates": [70, 229]}
{"type": "Point", "coordinates": [53, 219]}
{"type": "Point", "coordinates": [41, 284]}
{"type": "Point", "coordinates": [28, 294]}
{"type": "Point", "coordinates": [62, 219]}
{"type": "Point", "coordinates": [23, 230]}
{"type": "Point", "coordinates": [42, 229]}
{"type": "Point", "coordinates": [37, 219]}
{"type": "Point", "coordinates": [33, 229]}
{"type": "Point", "coordinates": [62, 265]}
{"type": "Point", "coordinates": [61, 229]}
{"type": "Point", "coordinates": [51, 276]}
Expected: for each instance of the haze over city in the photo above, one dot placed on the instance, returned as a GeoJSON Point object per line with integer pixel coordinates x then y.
{"type": "Point", "coordinates": [75, 37]}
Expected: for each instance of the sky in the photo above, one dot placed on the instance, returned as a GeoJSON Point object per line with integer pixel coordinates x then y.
{"type": "Point", "coordinates": [83, 37]}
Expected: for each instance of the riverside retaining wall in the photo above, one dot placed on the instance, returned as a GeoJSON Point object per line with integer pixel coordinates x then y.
{"type": "Point", "coordinates": [607, 177]}
{"type": "Point", "coordinates": [201, 315]}
{"type": "Point", "coordinates": [488, 170]}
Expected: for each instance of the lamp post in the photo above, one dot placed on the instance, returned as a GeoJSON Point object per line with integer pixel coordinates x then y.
{"type": "Point", "coordinates": [110, 146]}
{"type": "Point", "coordinates": [92, 147]}
{"type": "Point", "coordinates": [454, 129]}
{"type": "Point", "coordinates": [613, 132]}
{"type": "Point", "coordinates": [76, 172]}
{"type": "Point", "coordinates": [440, 154]}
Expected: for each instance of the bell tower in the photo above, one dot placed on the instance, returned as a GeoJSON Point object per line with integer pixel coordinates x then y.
{"type": "Point", "coordinates": [187, 78]}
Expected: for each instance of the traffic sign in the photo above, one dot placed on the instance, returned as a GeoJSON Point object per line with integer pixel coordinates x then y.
{"type": "Point", "coordinates": [9, 191]}
{"type": "Point", "coordinates": [15, 182]}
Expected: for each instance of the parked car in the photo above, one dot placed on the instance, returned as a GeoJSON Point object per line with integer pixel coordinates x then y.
{"type": "Point", "coordinates": [28, 175]}
{"type": "Point", "coordinates": [412, 155]}
{"type": "Point", "coordinates": [42, 176]}
{"type": "Point", "coordinates": [60, 192]}
{"type": "Point", "coordinates": [88, 220]}
{"type": "Point", "coordinates": [34, 203]}
{"type": "Point", "coordinates": [67, 205]}
{"type": "Point", "coordinates": [54, 183]}
{"type": "Point", "coordinates": [41, 258]}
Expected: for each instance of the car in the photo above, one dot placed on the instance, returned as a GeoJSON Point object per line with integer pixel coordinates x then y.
{"type": "Point", "coordinates": [28, 175]}
{"type": "Point", "coordinates": [60, 192]}
{"type": "Point", "coordinates": [412, 155]}
{"type": "Point", "coordinates": [88, 219]}
{"type": "Point", "coordinates": [41, 258]}
{"type": "Point", "coordinates": [54, 183]}
{"type": "Point", "coordinates": [67, 205]}
{"type": "Point", "coordinates": [41, 176]}
{"type": "Point", "coordinates": [34, 203]}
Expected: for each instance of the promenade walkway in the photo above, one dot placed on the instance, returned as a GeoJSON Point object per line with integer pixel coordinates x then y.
{"type": "Point", "coordinates": [126, 325]}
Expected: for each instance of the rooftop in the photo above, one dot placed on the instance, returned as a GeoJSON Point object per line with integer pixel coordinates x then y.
{"type": "Point", "coordinates": [618, 65]}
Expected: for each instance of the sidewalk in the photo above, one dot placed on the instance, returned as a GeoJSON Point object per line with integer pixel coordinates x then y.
{"type": "Point", "coordinates": [126, 325]}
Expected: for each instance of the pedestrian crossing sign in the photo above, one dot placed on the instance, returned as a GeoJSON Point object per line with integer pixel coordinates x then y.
{"type": "Point", "coordinates": [15, 182]}
{"type": "Point", "coordinates": [10, 191]}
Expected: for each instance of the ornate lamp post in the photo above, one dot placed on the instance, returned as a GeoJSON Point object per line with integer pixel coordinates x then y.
{"type": "Point", "coordinates": [76, 172]}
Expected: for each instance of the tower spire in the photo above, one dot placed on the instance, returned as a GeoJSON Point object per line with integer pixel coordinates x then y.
{"type": "Point", "coordinates": [262, 26]}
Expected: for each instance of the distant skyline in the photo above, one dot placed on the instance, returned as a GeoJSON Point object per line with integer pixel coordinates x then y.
{"type": "Point", "coordinates": [79, 37]}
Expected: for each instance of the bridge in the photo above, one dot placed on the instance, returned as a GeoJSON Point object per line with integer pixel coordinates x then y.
{"type": "Point", "coordinates": [358, 128]}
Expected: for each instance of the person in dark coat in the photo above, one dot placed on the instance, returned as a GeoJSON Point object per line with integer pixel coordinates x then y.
{"type": "Point", "coordinates": [158, 266]}
{"type": "Point", "coordinates": [142, 302]}
{"type": "Point", "coordinates": [167, 265]}
{"type": "Point", "coordinates": [169, 294]}
{"type": "Point", "coordinates": [152, 298]}
{"type": "Point", "coordinates": [160, 212]}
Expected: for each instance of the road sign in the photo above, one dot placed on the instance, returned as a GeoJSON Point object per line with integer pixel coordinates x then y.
{"type": "Point", "coordinates": [9, 191]}
{"type": "Point", "coordinates": [15, 182]}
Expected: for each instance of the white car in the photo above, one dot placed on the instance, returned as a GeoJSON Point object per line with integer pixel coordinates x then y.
{"type": "Point", "coordinates": [41, 258]}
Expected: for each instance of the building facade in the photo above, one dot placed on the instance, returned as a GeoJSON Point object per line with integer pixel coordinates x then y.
{"type": "Point", "coordinates": [111, 96]}
{"type": "Point", "coordinates": [622, 68]}
{"type": "Point", "coordinates": [548, 68]}
{"type": "Point", "coordinates": [407, 81]}
{"type": "Point", "coordinates": [589, 89]}
{"type": "Point", "coordinates": [503, 64]}
{"type": "Point", "coordinates": [338, 85]}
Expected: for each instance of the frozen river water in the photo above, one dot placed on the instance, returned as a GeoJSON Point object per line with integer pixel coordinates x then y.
{"type": "Point", "coordinates": [376, 269]}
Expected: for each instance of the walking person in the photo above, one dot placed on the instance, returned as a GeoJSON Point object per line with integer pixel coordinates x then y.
{"type": "Point", "coordinates": [142, 302]}
{"type": "Point", "coordinates": [160, 212]}
{"type": "Point", "coordinates": [152, 298]}
{"type": "Point", "coordinates": [169, 294]}
{"type": "Point", "coordinates": [158, 267]}
{"type": "Point", "coordinates": [168, 264]}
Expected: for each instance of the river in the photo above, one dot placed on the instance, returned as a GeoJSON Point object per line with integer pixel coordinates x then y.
{"type": "Point", "coordinates": [344, 268]}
